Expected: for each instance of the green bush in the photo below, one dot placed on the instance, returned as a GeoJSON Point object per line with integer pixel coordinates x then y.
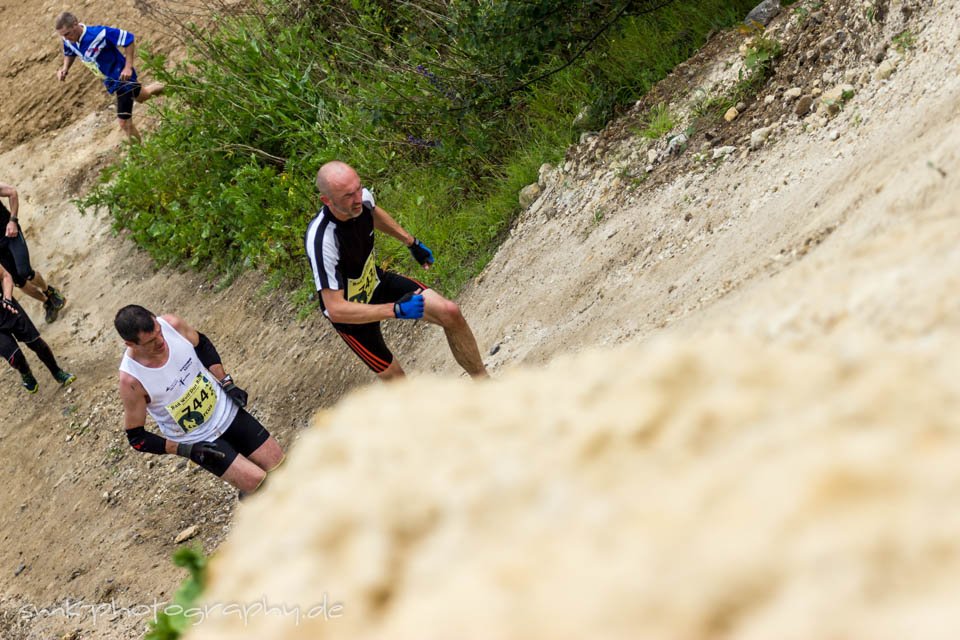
{"type": "Point", "coordinates": [446, 108]}
{"type": "Point", "coordinates": [172, 622]}
{"type": "Point", "coordinates": [659, 122]}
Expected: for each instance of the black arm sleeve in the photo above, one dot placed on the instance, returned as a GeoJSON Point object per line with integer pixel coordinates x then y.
{"type": "Point", "coordinates": [207, 352]}
{"type": "Point", "coordinates": [146, 442]}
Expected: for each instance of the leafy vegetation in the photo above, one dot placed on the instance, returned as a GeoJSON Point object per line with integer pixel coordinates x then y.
{"type": "Point", "coordinates": [446, 108]}
{"type": "Point", "coordinates": [659, 122]}
{"type": "Point", "coordinates": [904, 41]}
{"type": "Point", "coordinates": [762, 53]}
{"type": "Point", "coordinates": [173, 621]}
{"type": "Point", "coordinates": [803, 11]}
{"type": "Point", "coordinates": [758, 67]}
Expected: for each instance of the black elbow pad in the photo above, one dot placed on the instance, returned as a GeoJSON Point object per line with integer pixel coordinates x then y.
{"type": "Point", "coordinates": [207, 352]}
{"type": "Point", "coordinates": [146, 442]}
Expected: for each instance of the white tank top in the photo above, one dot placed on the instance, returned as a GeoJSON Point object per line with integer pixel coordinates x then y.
{"type": "Point", "coordinates": [186, 401]}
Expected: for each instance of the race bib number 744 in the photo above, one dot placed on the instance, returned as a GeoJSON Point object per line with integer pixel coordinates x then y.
{"type": "Point", "coordinates": [195, 405]}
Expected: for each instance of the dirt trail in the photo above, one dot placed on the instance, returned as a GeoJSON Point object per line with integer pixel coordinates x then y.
{"type": "Point", "coordinates": [84, 518]}
{"type": "Point", "coordinates": [806, 240]}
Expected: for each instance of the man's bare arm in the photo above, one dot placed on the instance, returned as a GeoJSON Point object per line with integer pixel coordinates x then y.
{"type": "Point", "coordinates": [339, 309]}
{"type": "Point", "coordinates": [6, 280]}
{"type": "Point", "coordinates": [134, 398]}
{"type": "Point", "coordinates": [67, 63]}
{"type": "Point", "coordinates": [384, 222]}
{"type": "Point", "coordinates": [129, 52]}
{"type": "Point", "coordinates": [9, 191]}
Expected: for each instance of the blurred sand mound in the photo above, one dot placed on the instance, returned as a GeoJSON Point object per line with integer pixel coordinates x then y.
{"type": "Point", "coordinates": [696, 488]}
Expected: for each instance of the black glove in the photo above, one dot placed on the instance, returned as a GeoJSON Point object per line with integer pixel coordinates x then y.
{"type": "Point", "coordinates": [421, 253]}
{"type": "Point", "coordinates": [200, 451]}
{"type": "Point", "coordinates": [236, 393]}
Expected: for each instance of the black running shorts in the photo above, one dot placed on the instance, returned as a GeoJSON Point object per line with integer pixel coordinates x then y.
{"type": "Point", "coordinates": [15, 258]}
{"type": "Point", "coordinates": [126, 94]}
{"type": "Point", "coordinates": [15, 327]}
{"type": "Point", "coordinates": [244, 436]}
{"type": "Point", "coordinates": [366, 340]}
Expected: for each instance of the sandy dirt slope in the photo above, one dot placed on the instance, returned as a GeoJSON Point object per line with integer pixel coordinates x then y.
{"type": "Point", "coordinates": [85, 518]}
{"type": "Point", "coordinates": [35, 102]}
{"type": "Point", "coordinates": [769, 456]}
{"type": "Point", "coordinates": [809, 241]}
{"type": "Point", "coordinates": [803, 237]}
{"type": "Point", "coordinates": [682, 487]}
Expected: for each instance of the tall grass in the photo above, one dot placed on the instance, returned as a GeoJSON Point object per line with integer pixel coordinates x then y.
{"type": "Point", "coordinates": [446, 108]}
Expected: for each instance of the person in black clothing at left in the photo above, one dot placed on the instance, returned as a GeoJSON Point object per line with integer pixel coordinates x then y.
{"type": "Point", "coordinates": [15, 257]}
{"type": "Point", "coordinates": [15, 326]}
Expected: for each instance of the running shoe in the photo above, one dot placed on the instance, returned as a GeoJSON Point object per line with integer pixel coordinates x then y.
{"type": "Point", "coordinates": [29, 382]}
{"type": "Point", "coordinates": [65, 379]}
{"type": "Point", "coordinates": [50, 311]}
{"type": "Point", "coordinates": [56, 297]}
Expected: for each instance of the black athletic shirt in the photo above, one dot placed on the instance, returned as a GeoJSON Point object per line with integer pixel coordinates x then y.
{"type": "Point", "coordinates": [341, 252]}
{"type": "Point", "coordinates": [4, 219]}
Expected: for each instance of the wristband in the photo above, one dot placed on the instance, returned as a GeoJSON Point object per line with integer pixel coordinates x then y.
{"type": "Point", "coordinates": [236, 393]}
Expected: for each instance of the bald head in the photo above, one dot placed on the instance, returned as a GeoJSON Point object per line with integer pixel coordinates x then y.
{"type": "Point", "coordinates": [340, 189]}
{"type": "Point", "coordinates": [332, 175]}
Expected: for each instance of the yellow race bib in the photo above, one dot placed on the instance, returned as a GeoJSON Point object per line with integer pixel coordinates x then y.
{"type": "Point", "coordinates": [92, 65]}
{"type": "Point", "coordinates": [361, 289]}
{"type": "Point", "coordinates": [195, 406]}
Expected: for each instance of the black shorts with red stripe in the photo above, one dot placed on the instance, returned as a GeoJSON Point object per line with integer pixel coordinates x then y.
{"type": "Point", "coordinates": [366, 340]}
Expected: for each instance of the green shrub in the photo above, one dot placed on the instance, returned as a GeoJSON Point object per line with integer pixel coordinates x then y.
{"type": "Point", "coordinates": [445, 107]}
{"type": "Point", "coordinates": [758, 67]}
{"type": "Point", "coordinates": [659, 122]}
{"type": "Point", "coordinates": [172, 622]}
{"type": "Point", "coordinates": [904, 41]}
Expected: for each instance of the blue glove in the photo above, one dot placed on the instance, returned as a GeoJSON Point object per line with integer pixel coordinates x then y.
{"type": "Point", "coordinates": [409, 307]}
{"type": "Point", "coordinates": [421, 253]}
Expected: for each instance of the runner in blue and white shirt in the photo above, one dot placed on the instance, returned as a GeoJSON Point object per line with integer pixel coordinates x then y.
{"type": "Point", "coordinates": [99, 48]}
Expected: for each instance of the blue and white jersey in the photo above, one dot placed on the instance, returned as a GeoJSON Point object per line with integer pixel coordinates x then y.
{"type": "Point", "coordinates": [98, 48]}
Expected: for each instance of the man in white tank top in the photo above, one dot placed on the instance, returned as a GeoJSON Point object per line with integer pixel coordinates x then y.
{"type": "Point", "coordinates": [175, 374]}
